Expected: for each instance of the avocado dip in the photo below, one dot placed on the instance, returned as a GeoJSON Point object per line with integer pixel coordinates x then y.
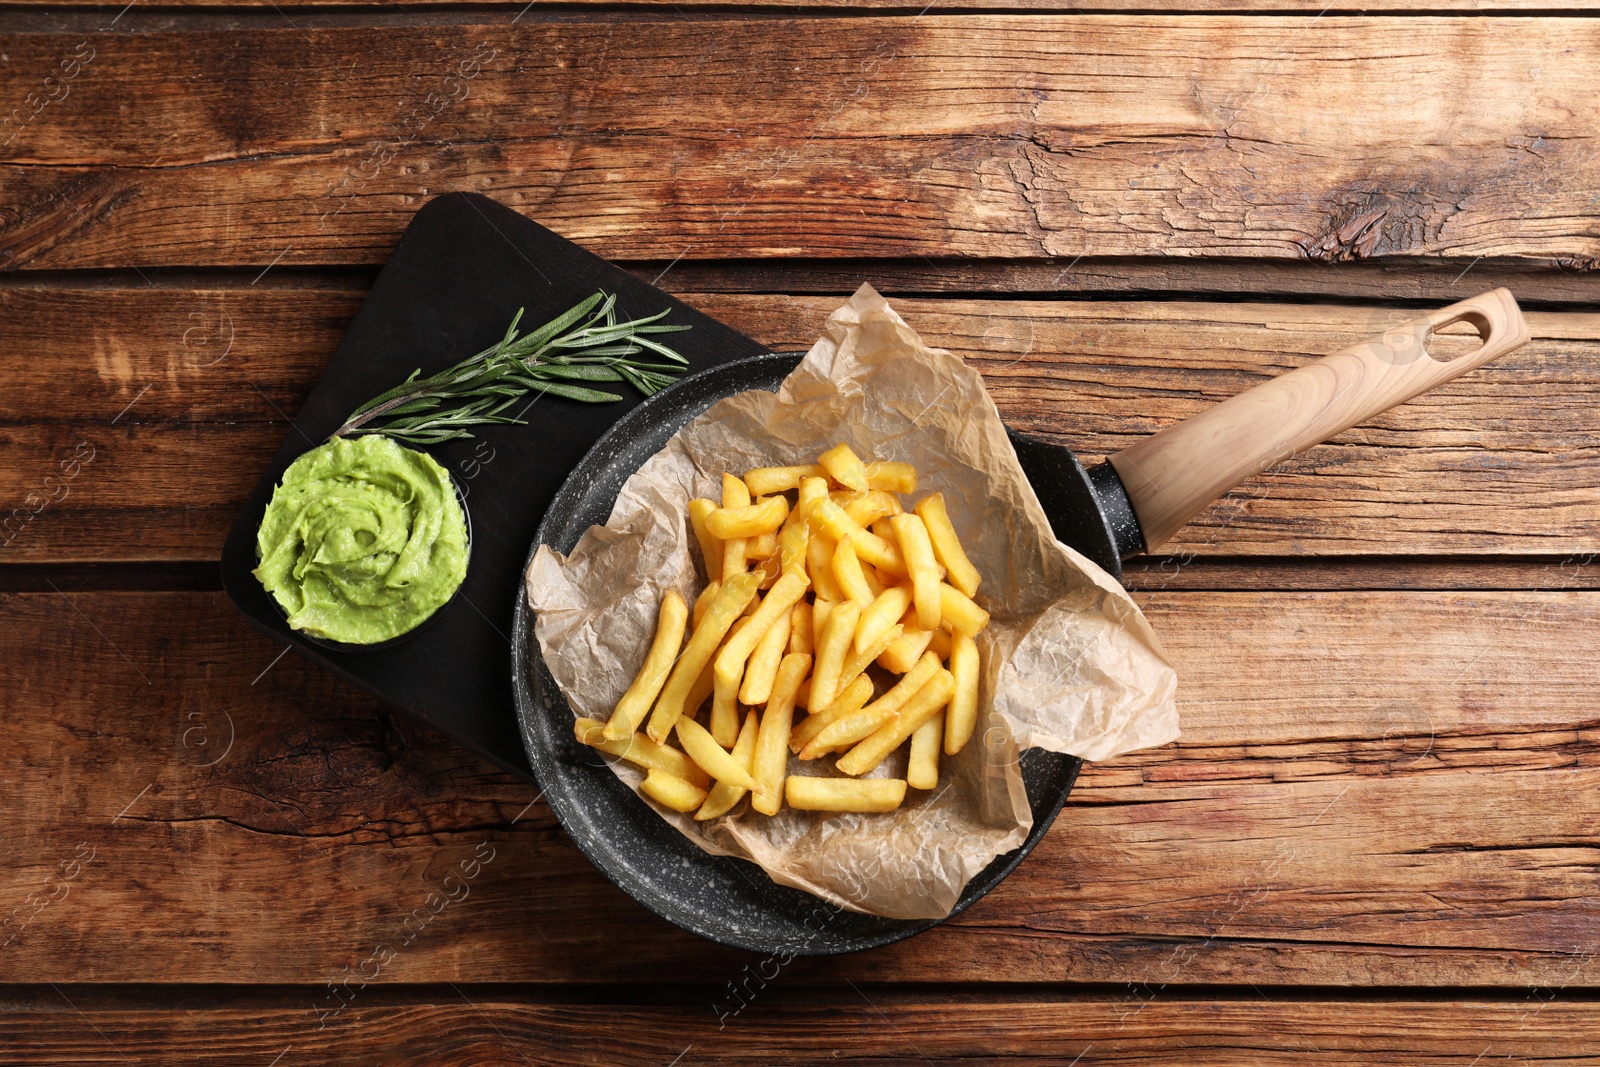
{"type": "Point", "coordinates": [363, 540]}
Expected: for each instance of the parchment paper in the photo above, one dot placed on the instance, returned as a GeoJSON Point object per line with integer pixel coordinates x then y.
{"type": "Point", "coordinates": [1070, 663]}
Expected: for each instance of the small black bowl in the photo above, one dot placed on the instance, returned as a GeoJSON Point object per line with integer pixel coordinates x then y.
{"type": "Point", "coordinates": [419, 628]}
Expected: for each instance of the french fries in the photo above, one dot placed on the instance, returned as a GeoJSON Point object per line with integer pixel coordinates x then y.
{"type": "Point", "coordinates": [671, 791]}
{"type": "Point", "coordinates": [709, 756]}
{"type": "Point", "coordinates": [922, 771]}
{"type": "Point", "coordinates": [917, 549]}
{"type": "Point", "coordinates": [845, 467]}
{"type": "Point", "coordinates": [762, 667]}
{"type": "Point", "coordinates": [963, 714]}
{"type": "Point", "coordinates": [635, 703]}
{"type": "Point", "coordinates": [772, 748]}
{"type": "Point", "coordinates": [844, 794]}
{"type": "Point", "coordinates": [823, 591]}
{"type": "Point", "coordinates": [752, 520]}
{"type": "Point", "coordinates": [725, 795]}
{"type": "Point", "coordinates": [892, 477]}
{"type": "Point", "coordinates": [710, 546]}
{"type": "Point", "coordinates": [734, 495]}
{"type": "Point", "coordinates": [640, 751]}
{"type": "Point", "coordinates": [928, 702]}
{"type": "Point", "coordinates": [725, 607]}
{"type": "Point", "coordinates": [852, 699]}
{"type": "Point", "coordinates": [764, 481]}
{"type": "Point", "coordinates": [946, 545]}
{"type": "Point", "coordinates": [882, 614]}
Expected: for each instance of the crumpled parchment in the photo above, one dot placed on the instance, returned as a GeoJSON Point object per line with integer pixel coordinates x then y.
{"type": "Point", "coordinates": [1070, 664]}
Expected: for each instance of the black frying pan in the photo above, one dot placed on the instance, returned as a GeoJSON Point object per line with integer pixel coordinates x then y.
{"type": "Point", "coordinates": [1131, 503]}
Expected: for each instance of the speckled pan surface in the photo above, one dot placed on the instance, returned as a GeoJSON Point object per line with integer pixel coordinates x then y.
{"type": "Point", "coordinates": [726, 900]}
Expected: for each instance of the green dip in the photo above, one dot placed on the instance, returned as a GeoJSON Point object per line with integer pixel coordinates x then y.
{"type": "Point", "coordinates": [363, 540]}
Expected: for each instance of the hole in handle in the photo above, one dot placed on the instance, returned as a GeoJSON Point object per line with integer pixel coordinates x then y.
{"type": "Point", "coordinates": [1460, 335]}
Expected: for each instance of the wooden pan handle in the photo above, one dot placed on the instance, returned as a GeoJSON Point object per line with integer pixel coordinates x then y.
{"type": "Point", "coordinates": [1171, 476]}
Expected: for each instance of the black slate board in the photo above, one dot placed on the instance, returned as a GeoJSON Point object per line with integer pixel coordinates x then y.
{"type": "Point", "coordinates": [460, 271]}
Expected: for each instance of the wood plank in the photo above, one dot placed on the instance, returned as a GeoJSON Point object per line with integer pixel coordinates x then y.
{"type": "Point", "coordinates": [181, 397]}
{"type": "Point", "coordinates": [1435, 831]}
{"type": "Point", "coordinates": [1391, 280]}
{"type": "Point", "coordinates": [870, 1026]}
{"type": "Point", "coordinates": [305, 10]}
{"type": "Point", "coordinates": [982, 136]}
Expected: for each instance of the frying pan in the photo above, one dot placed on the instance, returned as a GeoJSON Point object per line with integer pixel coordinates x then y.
{"type": "Point", "coordinates": [1133, 502]}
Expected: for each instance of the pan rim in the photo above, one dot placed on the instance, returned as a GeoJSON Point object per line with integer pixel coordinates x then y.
{"type": "Point", "coordinates": [527, 661]}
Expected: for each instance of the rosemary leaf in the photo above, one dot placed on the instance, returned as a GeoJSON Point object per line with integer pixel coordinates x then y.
{"type": "Point", "coordinates": [584, 343]}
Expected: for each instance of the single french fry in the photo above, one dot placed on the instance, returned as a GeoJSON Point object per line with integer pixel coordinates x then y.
{"type": "Point", "coordinates": [725, 695]}
{"type": "Point", "coordinates": [793, 541]}
{"type": "Point", "coordinates": [962, 718]}
{"type": "Point", "coordinates": [703, 601]}
{"type": "Point", "coordinates": [847, 572]}
{"type": "Point", "coordinates": [959, 570]}
{"type": "Point", "coordinates": [940, 643]}
{"type": "Point", "coordinates": [903, 653]}
{"type": "Point", "coordinates": [869, 507]}
{"type": "Point", "coordinates": [883, 613]}
{"type": "Point", "coordinates": [762, 667]}
{"type": "Point", "coordinates": [844, 794]}
{"type": "Point", "coordinates": [845, 731]}
{"type": "Point", "coordinates": [710, 546]}
{"type": "Point", "coordinates": [820, 549]}
{"type": "Point", "coordinates": [922, 771]}
{"type": "Point", "coordinates": [752, 520]}
{"type": "Point", "coordinates": [802, 696]}
{"type": "Point", "coordinates": [783, 595]}
{"type": "Point", "coordinates": [725, 607]}
{"type": "Point", "coordinates": [700, 746]}
{"type": "Point", "coordinates": [671, 791]}
{"type": "Point", "coordinates": [928, 702]}
{"type": "Point", "coordinates": [733, 561]}
{"type": "Point", "coordinates": [801, 635]}
{"type": "Point", "coordinates": [734, 495]}
{"type": "Point", "coordinates": [852, 698]}
{"type": "Point", "coordinates": [819, 621]}
{"type": "Point", "coordinates": [845, 467]}
{"type": "Point", "coordinates": [841, 630]}
{"type": "Point", "coordinates": [764, 481]}
{"type": "Point", "coordinates": [638, 750]}
{"type": "Point", "coordinates": [671, 620]}
{"type": "Point", "coordinates": [894, 477]}
{"type": "Point", "coordinates": [725, 795]}
{"type": "Point", "coordinates": [761, 546]}
{"type": "Point", "coordinates": [812, 489]}
{"type": "Point", "coordinates": [772, 749]}
{"type": "Point", "coordinates": [918, 552]}
{"type": "Point", "coordinates": [958, 609]}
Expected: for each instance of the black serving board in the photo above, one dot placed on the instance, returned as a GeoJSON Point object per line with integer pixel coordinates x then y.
{"type": "Point", "coordinates": [461, 270]}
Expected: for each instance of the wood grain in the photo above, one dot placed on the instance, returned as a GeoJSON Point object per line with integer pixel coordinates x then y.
{"type": "Point", "coordinates": [1373, 789]}
{"type": "Point", "coordinates": [866, 1026]}
{"type": "Point", "coordinates": [184, 394]}
{"type": "Point", "coordinates": [983, 136]}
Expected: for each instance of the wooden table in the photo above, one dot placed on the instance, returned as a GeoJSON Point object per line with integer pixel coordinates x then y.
{"type": "Point", "coordinates": [1376, 841]}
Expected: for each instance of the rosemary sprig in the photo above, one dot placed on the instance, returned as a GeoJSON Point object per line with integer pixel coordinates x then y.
{"type": "Point", "coordinates": [584, 344]}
